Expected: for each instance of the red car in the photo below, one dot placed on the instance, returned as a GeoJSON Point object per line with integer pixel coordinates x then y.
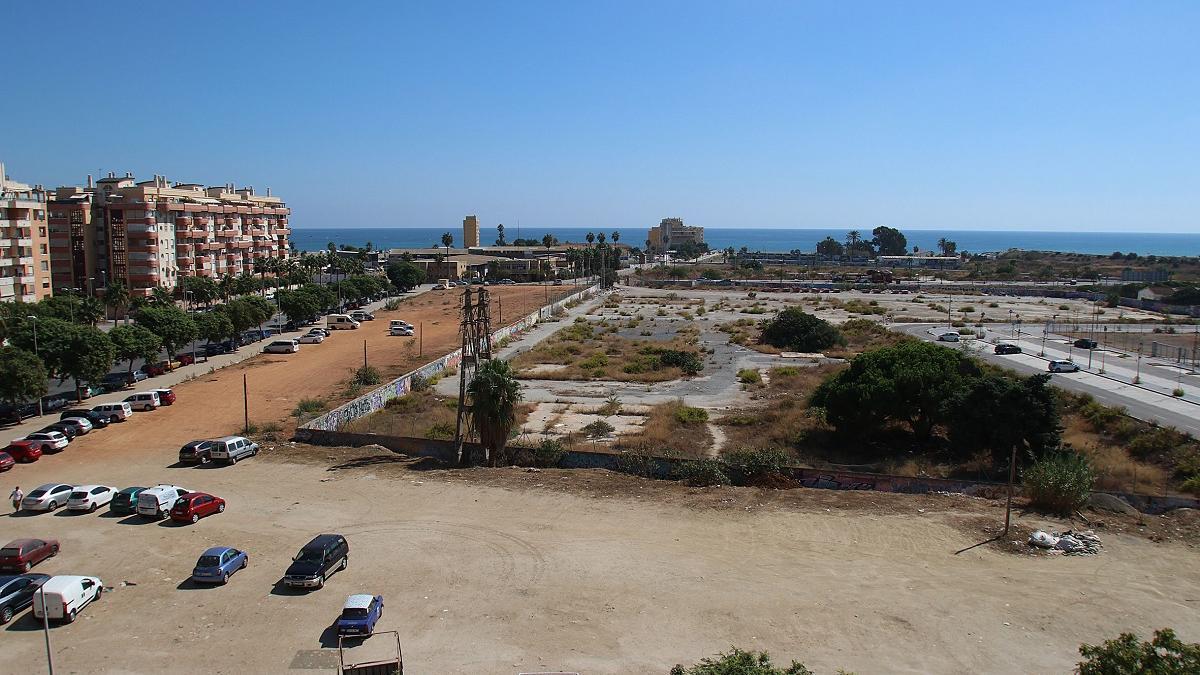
{"type": "Point", "coordinates": [24, 451]}
{"type": "Point", "coordinates": [22, 554]}
{"type": "Point", "coordinates": [165, 396]}
{"type": "Point", "coordinates": [193, 506]}
{"type": "Point", "coordinates": [6, 461]}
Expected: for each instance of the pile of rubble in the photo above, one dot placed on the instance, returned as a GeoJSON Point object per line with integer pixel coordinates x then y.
{"type": "Point", "coordinates": [1067, 543]}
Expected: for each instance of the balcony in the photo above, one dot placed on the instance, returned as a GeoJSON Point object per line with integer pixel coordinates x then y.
{"type": "Point", "coordinates": [141, 228]}
{"type": "Point", "coordinates": [184, 263]}
{"type": "Point", "coordinates": [183, 222]}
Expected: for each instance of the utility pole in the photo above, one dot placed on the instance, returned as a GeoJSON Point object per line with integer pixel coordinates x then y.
{"type": "Point", "coordinates": [34, 319]}
{"type": "Point", "coordinates": [1137, 376]}
{"type": "Point", "coordinates": [46, 631]}
{"type": "Point", "coordinates": [245, 404]}
{"type": "Point", "coordinates": [364, 353]}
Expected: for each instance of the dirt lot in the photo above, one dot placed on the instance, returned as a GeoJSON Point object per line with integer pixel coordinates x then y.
{"type": "Point", "coordinates": [503, 571]}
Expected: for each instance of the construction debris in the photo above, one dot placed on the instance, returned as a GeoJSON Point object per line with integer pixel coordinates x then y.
{"type": "Point", "coordinates": [1068, 543]}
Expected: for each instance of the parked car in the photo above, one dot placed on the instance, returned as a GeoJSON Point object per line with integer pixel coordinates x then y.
{"type": "Point", "coordinates": [193, 506]}
{"type": "Point", "coordinates": [360, 614]}
{"type": "Point", "coordinates": [47, 497]}
{"type": "Point", "coordinates": [399, 323]}
{"type": "Point", "coordinates": [16, 593]}
{"type": "Point", "coordinates": [65, 596]}
{"type": "Point", "coordinates": [1063, 367]}
{"type": "Point", "coordinates": [89, 390]}
{"type": "Point", "coordinates": [340, 322]}
{"type": "Point", "coordinates": [6, 461]}
{"type": "Point", "coordinates": [53, 402]}
{"type": "Point", "coordinates": [64, 428]}
{"type": "Point", "coordinates": [21, 555]}
{"type": "Point", "coordinates": [506, 282]}
{"type": "Point", "coordinates": [156, 369]}
{"type": "Point", "coordinates": [90, 497]}
{"type": "Point", "coordinates": [218, 563]}
{"type": "Point", "coordinates": [361, 315]}
{"type": "Point", "coordinates": [1006, 348]}
{"type": "Point", "coordinates": [98, 420]}
{"type": "Point", "coordinates": [1085, 343]}
{"type": "Point", "coordinates": [215, 348]}
{"type": "Point", "coordinates": [400, 331]}
{"type": "Point", "coordinates": [318, 559]}
{"type": "Point", "coordinates": [24, 451]}
{"type": "Point", "coordinates": [117, 412]}
{"type": "Point", "coordinates": [165, 396]}
{"type": "Point", "coordinates": [311, 339]}
{"type": "Point", "coordinates": [124, 503]}
{"type": "Point", "coordinates": [119, 381]}
{"type": "Point", "coordinates": [186, 359]}
{"type": "Point", "coordinates": [144, 400]}
{"type": "Point", "coordinates": [317, 330]}
{"type": "Point", "coordinates": [82, 425]}
{"type": "Point", "coordinates": [230, 449]}
{"type": "Point", "coordinates": [558, 282]}
{"type": "Point", "coordinates": [948, 337]}
{"type": "Point", "coordinates": [195, 452]}
{"type": "Point", "coordinates": [51, 441]}
{"type": "Point", "coordinates": [282, 347]}
{"type": "Point", "coordinates": [156, 502]}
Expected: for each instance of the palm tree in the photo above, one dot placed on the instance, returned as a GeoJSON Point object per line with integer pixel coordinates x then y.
{"type": "Point", "coordinates": [116, 297]}
{"type": "Point", "coordinates": [91, 310]}
{"type": "Point", "coordinates": [225, 286]}
{"type": "Point", "coordinates": [852, 239]}
{"type": "Point", "coordinates": [494, 394]}
{"type": "Point", "coordinates": [447, 241]}
{"type": "Point", "coordinates": [161, 296]}
{"type": "Point", "coordinates": [616, 236]}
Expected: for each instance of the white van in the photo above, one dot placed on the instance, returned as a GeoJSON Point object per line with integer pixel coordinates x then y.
{"type": "Point", "coordinates": [282, 347]}
{"type": "Point", "coordinates": [65, 596]}
{"type": "Point", "coordinates": [340, 322]}
{"type": "Point", "coordinates": [156, 502]}
{"type": "Point", "coordinates": [144, 400]}
{"type": "Point", "coordinates": [116, 412]}
{"type": "Point", "coordinates": [232, 448]}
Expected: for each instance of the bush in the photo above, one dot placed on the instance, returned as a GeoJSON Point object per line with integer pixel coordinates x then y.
{"type": "Point", "coordinates": [418, 383]}
{"type": "Point", "coordinates": [366, 376]}
{"type": "Point", "coordinates": [688, 362]}
{"type": "Point", "coordinates": [308, 408]}
{"type": "Point", "coordinates": [1059, 483]}
{"type": "Point", "coordinates": [1164, 655]}
{"type": "Point", "coordinates": [548, 454]}
{"type": "Point", "coordinates": [795, 329]}
{"type": "Point", "coordinates": [1191, 485]}
{"type": "Point", "coordinates": [440, 431]}
{"type": "Point", "coordinates": [598, 429]}
{"type": "Point", "coordinates": [738, 662]}
{"type": "Point", "coordinates": [636, 464]}
{"type": "Point", "coordinates": [745, 465]}
{"type": "Point", "coordinates": [703, 472]}
{"type": "Point", "coordinates": [749, 376]}
{"type": "Point", "coordinates": [690, 415]}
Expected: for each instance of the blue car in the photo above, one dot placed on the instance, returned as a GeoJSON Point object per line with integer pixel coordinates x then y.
{"type": "Point", "coordinates": [217, 563]}
{"type": "Point", "coordinates": [359, 615]}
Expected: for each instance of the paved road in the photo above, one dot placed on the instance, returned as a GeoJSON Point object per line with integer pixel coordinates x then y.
{"type": "Point", "coordinates": [1149, 402]}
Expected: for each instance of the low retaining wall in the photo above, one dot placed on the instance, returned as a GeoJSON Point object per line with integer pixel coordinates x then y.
{"type": "Point", "coordinates": [375, 400]}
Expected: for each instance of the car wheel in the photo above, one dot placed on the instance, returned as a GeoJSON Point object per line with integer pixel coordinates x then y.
{"type": "Point", "coordinates": [51, 506]}
{"type": "Point", "coordinates": [53, 551]}
{"type": "Point", "coordinates": [245, 561]}
{"type": "Point", "coordinates": [99, 592]}
{"type": "Point", "coordinates": [93, 507]}
{"type": "Point", "coordinates": [345, 562]}
{"type": "Point", "coordinates": [195, 518]}
{"type": "Point", "coordinates": [220, 508]}
{"type": "Point", "coordinates": [70, 617]}
{"type": "Point", "coordinates": [6, 615]}
{"type": "Point", "coordinates": [225, 578]}
{"type": "Point", "coordinates": [321, 581]}
{"type": "Point", "coordinates": [26, 567]}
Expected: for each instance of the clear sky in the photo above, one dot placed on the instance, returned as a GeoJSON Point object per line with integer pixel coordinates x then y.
{"type": "Point", "coordinates": [1033, 115]}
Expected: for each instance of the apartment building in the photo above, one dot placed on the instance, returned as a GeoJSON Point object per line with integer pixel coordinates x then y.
{"type": "Point", "coordinates": [151, 233]}
{"type": "Point", "coordinates": [24, 242]}
{"type": "Point", "coordinates": [671, 233]}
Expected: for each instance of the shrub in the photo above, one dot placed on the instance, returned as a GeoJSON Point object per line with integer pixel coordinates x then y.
{"type": "Point", "coordinates": [1154, 442]}
{"type": "Point", "coordinates": [418, 383]}
{"type": "Point", "coordinates": [745, 465]}
{"type": "Point", "coordinates": [795, 329]}
{"type": "Point", "coordinates": [688, 362]}
{"type": "Point", "coordinates": [1191, 485]}
{"type": "Point", "coordinates": [598, 429]}
{"type": "Point", "coordinates": [738, 662]}
{"type": "Point", "coordinates": [690, 415]}
{"type": "Point", "coordinates": [703, 472]}
{"type": "Point", "coordinates": [366, 376]}
{"type": "Point", "coordinates": [1059, 483]}
{"type": "Point", "coordinates": [1064, 308]}
{"type": "Point", "coordinates": [308, 408]}
{"type": "Point", "coordinates": [597, 360]}
{"type": "Point", "coordinates": [440, 431]}
{"type": "Point", "coordinates": [749, 376]}
{"type": "Point", "coordinates": [785, 371]}
{"type": "Point", "coordinates": [636, 464]}
{"type": "Point", "coordinates": [1164, 655]}
{"type": "Point", "coordinates": [548, 454]}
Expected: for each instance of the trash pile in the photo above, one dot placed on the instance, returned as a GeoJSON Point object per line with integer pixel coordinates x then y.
{"type": "Point", "coordinates": [1067, 543]}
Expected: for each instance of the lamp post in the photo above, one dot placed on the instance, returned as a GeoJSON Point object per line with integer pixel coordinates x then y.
{"type": "Point", "coordinates": [46, 630]}
{"type": "Point", "coordinates": [34, 319]}
{"type": "Point", "coordinates": [190, 303]}
{"type": "Point", "coordinates": [1137, 375]}
{"type": "Point", "coordinates": [1045, 331]}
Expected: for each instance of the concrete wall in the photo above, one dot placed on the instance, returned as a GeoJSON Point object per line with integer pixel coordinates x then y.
{"type": "Point", "coordinates": [375, 400]}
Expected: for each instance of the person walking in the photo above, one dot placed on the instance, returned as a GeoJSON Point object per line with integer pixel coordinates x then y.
{"type": "Point", "coordinates": [16, 496]}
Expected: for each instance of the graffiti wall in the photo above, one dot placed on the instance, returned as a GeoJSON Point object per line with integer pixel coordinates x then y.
{"type": "Point", "coordinates": [375, 400]}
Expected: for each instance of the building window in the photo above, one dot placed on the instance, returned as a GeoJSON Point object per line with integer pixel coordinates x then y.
{"type": "Point", "coordinates": [45, 266]}
{"type": "Point", "coordinates": [41, 231]}
{"type": "Point", "coordinates": [43, 249]}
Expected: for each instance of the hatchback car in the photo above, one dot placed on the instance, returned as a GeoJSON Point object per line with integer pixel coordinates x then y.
{"type": "Point", "coordinates": [319, 558]}
{"type": "Point", "coordinates": [90, 497]}
{"type": "Point", "coordinates": [311, 339]}
{"type": "Point", "coordinates": [165, 396]}
{"type": "Point", "coordinates": [98, 420]}
{"type": "Point", "coordinates": [360, 614]}
{"type": "Point", "coordinates": [1063, 367]}
{"type": "Point", "coordinates": [948, 337]}
{"type": "Point", "coordinates": [1084, 343]}
{"type": "Point", "coordinates": [62, 427]}
{"type": "Point", "coordinates": [24, 451]}
{"type": "Point", "coordinates": [6, 461]}
{"type": "Point", "coordinates": [195, 452]}
{"type": "Point", "coordinates": [1005, 348]}
{"type": "Point", "coordinates": [125, 502]}
{"type": "Point", "coordinates": [400, 331]}
{"type": "Point", "coordinates": [217, 564]}
{"type": "Point", "coordinates": [22, 554]}
{"type": "Point", "coordinates": [47, 497]}
{"type": "Point", "coordinates": [16, 593]}
{"type": "Point", "coordinates": [317, 330]}
{"type": "Point", "coordinates": [83, 426]}
{"type": "Point", "coordinates": [193, 506]}
{"type": "Point", "coordinates": [51, 441]}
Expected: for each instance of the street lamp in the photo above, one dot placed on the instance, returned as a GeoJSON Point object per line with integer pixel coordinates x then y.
{"type": "Point", "coordinates": [34, 319]}
{"type": "Point", "coordinates": [187, 300]}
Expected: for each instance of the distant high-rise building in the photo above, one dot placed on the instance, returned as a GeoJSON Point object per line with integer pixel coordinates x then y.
{"type": "Point", "coordinates": [24, 242]}
{"type": "Point", "coordinates": [671, 233]}
{"type": "Point", "coordinates": [470, 231]}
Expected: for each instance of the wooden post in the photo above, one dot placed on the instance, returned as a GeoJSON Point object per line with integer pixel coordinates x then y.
{"type": "Point", "coordinates": [245, 404]}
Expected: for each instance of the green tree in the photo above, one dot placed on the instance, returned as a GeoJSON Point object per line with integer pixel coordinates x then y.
{"type": "Point", "coordinates": [1002, 414]}
{"type": "Point", "coordinates": [830, 247]}
{"type": "Point", "coordinates": [889, 241]}
{"type": "Point", "coordinates": [214, 326]}
{"type": "Point", "coordinates": [910, 382]}
{"type": "Point", "coordinates": [116, 297]}
{"type": "Point", "coordinates": [89, 355]}
{"type": "Point", "coordinates": [947, 247]}
{"type": "Point", "coordinates": [796, 330]}
{"type": "Point", "coordinates": [447, 241]}
{"type": "Point", "coordinates": [740, 662]}
{"type": "Point", "coordinates": [500, 241]}
{"type": "Point", "coordinates": [1128, 655]}
{"type": "Point", "coordinates": [203, 290]}
{"type": "Point", "coordinates": [135, 342]}
{"type": "Point", "coordinates": [494, 394]}
{"type": "Point", "coordinates": [24, 376]}
{"type": "Point", "coordinates": [405, 275]}
{"type": "Point", "coordinates": [171, 324]}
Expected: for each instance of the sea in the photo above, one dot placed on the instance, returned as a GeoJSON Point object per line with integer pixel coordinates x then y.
{"type": "Point", "coordinates": [777, 240]}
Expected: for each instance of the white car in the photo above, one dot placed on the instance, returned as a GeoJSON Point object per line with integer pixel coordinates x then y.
{"type": "Point", "coordinates": [156, 502]}
{"type": "Point", "coordinates": [90, 497]}
{"type": "Point", "coordinates": [403, 332]}
{"type": "Point", "coordinates": [83, 423]}
{"type": "Point", "coordinates": [311, 339]}
{"type": "Point", "coordinates": [47, 497]}
{"type": "Point", "coordinates": [282, 347]}
{"type": "Point", "coordinates": [324, 332]}
{"type": "Point", "coordinates": [49, 439]}
{"type": "Point", "coordinates": [948, 337]}
{"type": "Point", "coordinates": [1063, 367]}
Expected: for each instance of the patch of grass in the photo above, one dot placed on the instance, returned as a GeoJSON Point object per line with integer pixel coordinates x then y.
{"type": "Point", "coordinates": [689, 415]}
{"type": "Point", "coordinates": [663, 434]}
{"type": "Point", "coordinates": [308, 408]}
{"type": "Point", "coordinates": [703, 473]}
{"type": "Point", "coordinates": [366, 376]}
{"type": "Point", "coordinates": [598, 429]}
{"type": "Point", "coordinates": [442, 431]}
{"type": "Point", "coordinates": [749, 376]}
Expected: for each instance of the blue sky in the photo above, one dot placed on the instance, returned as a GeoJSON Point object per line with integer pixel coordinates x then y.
{"type": "Point", "coordinates": [1072, 116]}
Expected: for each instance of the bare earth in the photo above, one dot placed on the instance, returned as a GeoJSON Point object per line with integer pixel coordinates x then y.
{"type": "Point", "coordinates": [499, 571]}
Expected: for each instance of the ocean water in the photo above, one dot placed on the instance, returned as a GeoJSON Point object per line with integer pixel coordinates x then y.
{"type": "Point", "coordinates": [765, 239]}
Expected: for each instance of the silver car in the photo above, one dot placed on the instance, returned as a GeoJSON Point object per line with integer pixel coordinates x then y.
{"type": "Point", "coordinates": [47, 497]}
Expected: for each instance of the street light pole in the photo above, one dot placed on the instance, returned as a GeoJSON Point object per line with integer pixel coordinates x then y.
{"type": "Point", "coordinates": [1137, 376]}
{"type": "Point", "coordinates": [34, 319]}
{"type": "Point", "coordinates": [46, 630]}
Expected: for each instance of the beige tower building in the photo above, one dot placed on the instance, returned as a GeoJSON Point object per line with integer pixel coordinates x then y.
{"type": "Point", "coordinates": [470, 231]}
{"type": "Point", "coordinates": [24, 242]}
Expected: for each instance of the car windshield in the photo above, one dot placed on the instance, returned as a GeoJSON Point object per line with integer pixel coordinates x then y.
{"type": "Point", "coordinates": [9, 552]}
{"type": "Point", "coordinates": [354, 613]}
{"type": "Point", "coordinates": [37, 493]}
{"type": "Point", "coordinates": [208, 561]}
{"type": "Point", "coordinates": [310, 555]}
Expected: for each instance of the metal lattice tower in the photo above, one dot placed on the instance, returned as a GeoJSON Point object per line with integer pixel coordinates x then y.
{"type": "Point", "coordinates": [476, 329]}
